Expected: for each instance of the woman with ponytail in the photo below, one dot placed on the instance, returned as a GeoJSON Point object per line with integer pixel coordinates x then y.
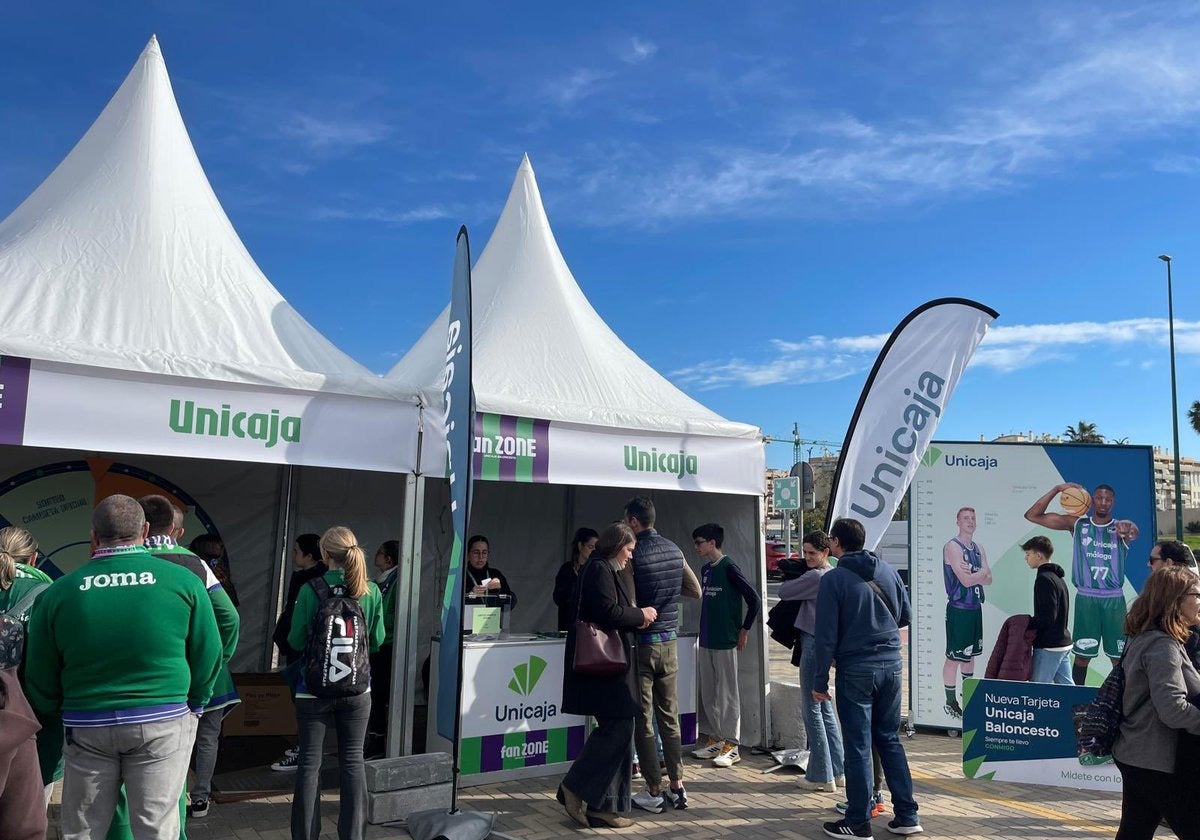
{"type": "Point", "coordinates": [346, 578]}
{"type": "Point", "coordinates": [18, 577]}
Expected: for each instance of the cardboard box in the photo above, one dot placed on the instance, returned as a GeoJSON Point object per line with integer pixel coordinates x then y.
{"type": "Point", "coordinates": [266, 707]}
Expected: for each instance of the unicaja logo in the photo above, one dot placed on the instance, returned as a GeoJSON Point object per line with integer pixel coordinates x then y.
{"type": "Point", "coordinates": [677, 464]}
{"type": "Point", "coordinates": [188, 418]}
{"type": "Point", "coordinates": [930, 457]}
{"type": "Point", "coordinates": [526, 676]}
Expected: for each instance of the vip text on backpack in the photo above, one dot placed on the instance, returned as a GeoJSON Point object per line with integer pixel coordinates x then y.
{"type": "Point", "coordinates": [335, 657]}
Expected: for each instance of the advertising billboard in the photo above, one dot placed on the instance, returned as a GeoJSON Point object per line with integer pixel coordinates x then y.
{"type": "Point", "coordinates": [972, 507]}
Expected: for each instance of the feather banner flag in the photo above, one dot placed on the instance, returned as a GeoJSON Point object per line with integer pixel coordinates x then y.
{"type": "Point", "coordinates": [459, 400]}
{"type": "Point", "coordinates": [905, 398]}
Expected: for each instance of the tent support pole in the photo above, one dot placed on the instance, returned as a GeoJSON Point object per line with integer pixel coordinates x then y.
{"type": "Point", "coordinates": [405, 637]}
{"type": "Point", "coordinates": [283, 526]}
{"type": "Point", "coordinates": [763, 660]}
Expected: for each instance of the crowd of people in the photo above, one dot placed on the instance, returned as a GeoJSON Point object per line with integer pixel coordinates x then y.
{"type": "Point", "coordinates": [119, 714]}
{"type": "Point", "coordinates": [114, 677]}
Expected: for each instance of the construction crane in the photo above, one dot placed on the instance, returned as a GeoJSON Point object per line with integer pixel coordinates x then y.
{"type": "Point", "coordinates": [799, 443]}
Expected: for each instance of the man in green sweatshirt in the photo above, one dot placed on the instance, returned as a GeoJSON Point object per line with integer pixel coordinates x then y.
{"type": "Point", "coordinates": [127, 649]}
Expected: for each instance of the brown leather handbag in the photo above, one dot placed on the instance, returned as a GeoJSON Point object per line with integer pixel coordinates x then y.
{"type": "Point", "coordinates": [598, 652]}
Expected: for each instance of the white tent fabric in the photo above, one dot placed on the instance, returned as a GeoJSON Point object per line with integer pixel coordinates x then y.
{"type": "Point", "coordinates": [541, 350]}
{"type": "Point", "coordinates": [123, 258]}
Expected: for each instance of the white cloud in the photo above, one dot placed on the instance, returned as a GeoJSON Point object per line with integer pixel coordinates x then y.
{"type": "Point", "coordinates": [1004, 349]}
{"type": "Point", "coordinates": [638, 50]}
{"type": "Point", "coordinates": [574, 87]}
{"type": "Point", "coordinates": [1097, 80]}
{"type": "Point", "coordinates": [329, 134]}
{"type": "Point", "coordinates": [385, 215]}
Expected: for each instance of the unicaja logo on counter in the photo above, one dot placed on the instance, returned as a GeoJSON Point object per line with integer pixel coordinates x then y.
{"type": "Point", "coordinates": [526, 675]}
{"type": "Point", "coordinates": [187, 418]}
{"type": "Point", "coordinates": [677, 464]}
{"type": "Point", "coordinates": [525, 679]}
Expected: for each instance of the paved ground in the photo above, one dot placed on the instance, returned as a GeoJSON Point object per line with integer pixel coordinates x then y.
{"type": "Point", "coordinates": [743, 802]}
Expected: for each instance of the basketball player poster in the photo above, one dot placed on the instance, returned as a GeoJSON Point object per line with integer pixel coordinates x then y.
{"type": "Point", "coordinates": [972, 506]}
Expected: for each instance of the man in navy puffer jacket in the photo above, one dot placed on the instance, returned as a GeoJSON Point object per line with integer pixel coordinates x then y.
{"type": "Point", "coordinates": [658, 571]}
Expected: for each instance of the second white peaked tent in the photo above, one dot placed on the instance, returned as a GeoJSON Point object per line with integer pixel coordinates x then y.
{"type": "Point", "coordinates": [541, 351]}
{"type": "Point", "coordinates": [571, 423]}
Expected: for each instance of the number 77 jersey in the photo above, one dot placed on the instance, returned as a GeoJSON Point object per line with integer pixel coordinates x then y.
{"type": "Point", "coordinates": [1097, 558]}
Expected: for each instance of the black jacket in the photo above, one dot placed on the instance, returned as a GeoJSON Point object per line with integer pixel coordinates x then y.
{"type": "Point", "coordinates": [607, 600]}
{"type": "Point", "coordinates": [564, 595]}
{"type": "Point", "coordinates": [472, 578]}
{"type": "Point", "coordinates": [1051, 608]}
{"type": "Point", "coordinates": [284, 625]}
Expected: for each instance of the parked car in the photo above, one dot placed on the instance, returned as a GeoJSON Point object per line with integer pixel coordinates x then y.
{"type": "Point", "coordinates": [777, 551]}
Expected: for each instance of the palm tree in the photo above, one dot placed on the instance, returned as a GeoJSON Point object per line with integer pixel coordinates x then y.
{"type": "Point", "coordinates": [1194, 416]}
{"type": "Point", "coordinates": [1083, 432]}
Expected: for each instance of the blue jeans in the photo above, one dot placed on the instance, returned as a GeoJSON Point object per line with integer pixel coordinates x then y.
{"type": "Point", "coordinates": [824, 738]}
{"type": "Point", "coordinates": [1050, 666]}
{"type": "Point", "coordinates": [868, 703]}
{"type": "Point", "coordinates": [314, 715]}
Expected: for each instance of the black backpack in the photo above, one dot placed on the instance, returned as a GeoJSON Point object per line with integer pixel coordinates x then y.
{"type": "Point", "coordinates": [12, 627]}
{"type": "Point", "coordinates": [1096, 728]}
{"type": "Point", "coordinates": [336, 660]}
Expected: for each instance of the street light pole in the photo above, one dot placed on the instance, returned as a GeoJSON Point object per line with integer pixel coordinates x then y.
{"type": "Point", "coordinates": [1174, 403]}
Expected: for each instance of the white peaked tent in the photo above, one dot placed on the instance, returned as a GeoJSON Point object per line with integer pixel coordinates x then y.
{"type": "Point", "coordinates": [137, 324]}
{"type": "Point", "coordinates": [571, 423]}
{"type": "Point", "coordinates": [123, 261]}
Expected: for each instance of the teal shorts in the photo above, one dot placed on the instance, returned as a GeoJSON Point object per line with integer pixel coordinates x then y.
{"type": "Point", "coordinates": [1099, 623]}
{"type": "Point", "coordinates": [964, 633]}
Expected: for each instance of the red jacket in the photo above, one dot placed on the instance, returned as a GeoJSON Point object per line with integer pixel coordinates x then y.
{"type": "Point", "coordinates": [1012, 657]}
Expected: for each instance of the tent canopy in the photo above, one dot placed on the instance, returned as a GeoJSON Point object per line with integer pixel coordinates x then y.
{"type": "Point", "coordinates": [541, 350]}
{"type": "Point", "coordinates": [124, 259]}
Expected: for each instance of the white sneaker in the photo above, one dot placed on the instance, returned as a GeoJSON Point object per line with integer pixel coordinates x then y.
{"type": "Point", "coordinates": [727, 757]}
{"type": "Point", "coordinates": [711, 749]}
{"type": "Point", "coordinates": [826, 787]}
{"type": "Point", "coordinates": [648, 801]}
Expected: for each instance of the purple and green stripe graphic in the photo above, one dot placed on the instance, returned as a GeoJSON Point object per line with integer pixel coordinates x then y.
{"type": "Point", "coordinates": [14, 392]}
{"type": "Point", "coordinates": [513, 750]}
{"type": "Point", "coordinates": [512, 448]}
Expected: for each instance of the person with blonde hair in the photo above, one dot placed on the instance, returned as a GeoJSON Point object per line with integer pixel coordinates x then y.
{"type": "Point", "coordinates": [1162, 688]}
{"type": "Point", "coordinates": [20, 581]}
{"type": "Point", "coordinates": [343, 595]}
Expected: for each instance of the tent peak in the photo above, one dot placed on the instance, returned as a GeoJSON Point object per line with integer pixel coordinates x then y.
{"type": "Point", "coordinates": [525, 166]}
{"type": "Point", "coordinates": [152, 46]}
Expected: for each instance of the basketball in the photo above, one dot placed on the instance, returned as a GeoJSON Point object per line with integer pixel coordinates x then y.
{"type": "Point", "coordinates": [1075, 501]}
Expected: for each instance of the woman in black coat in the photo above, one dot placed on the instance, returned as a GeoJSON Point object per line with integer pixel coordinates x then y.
{"type": "Point", "coordinates": [597, 786]}
{"type": "Point", "coordinates": [582, 547]}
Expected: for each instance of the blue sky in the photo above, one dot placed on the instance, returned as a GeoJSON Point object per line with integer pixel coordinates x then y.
{"type": "Point", "coordinates": [752, 196]}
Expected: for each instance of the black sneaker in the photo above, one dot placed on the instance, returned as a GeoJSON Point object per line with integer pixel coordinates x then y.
{"type": "Point", "coordinates": [841, 828]}
{"type": "Point", "coordinates": [953, 709]}
{"type": "Point", "coordinates": [677, 797]}
{"type": "Point", "coordinates": [198, 809]}
{"type": "Point", "coordinates": [897, 827]}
